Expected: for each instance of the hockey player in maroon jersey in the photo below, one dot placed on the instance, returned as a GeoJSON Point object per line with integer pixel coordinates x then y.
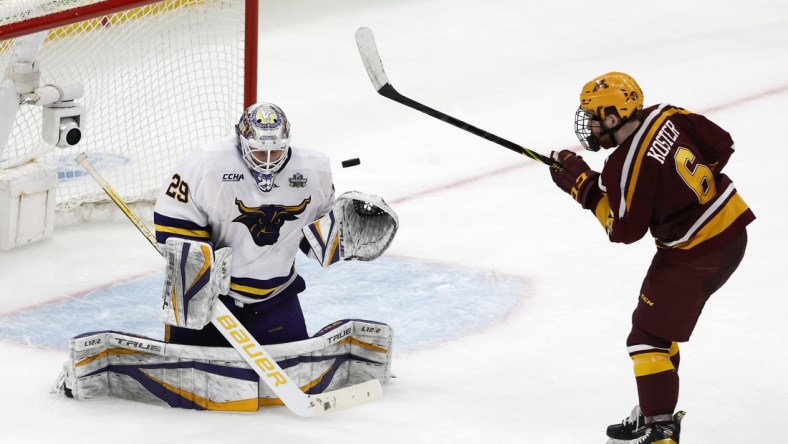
{"type": "Point", "coordinates": [665, 176]}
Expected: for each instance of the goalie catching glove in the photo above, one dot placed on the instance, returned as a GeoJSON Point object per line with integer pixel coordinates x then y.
{"type": "Point", "coordinates": [360, 226]}
{"type": "Point", "coordinates": [196, 276]}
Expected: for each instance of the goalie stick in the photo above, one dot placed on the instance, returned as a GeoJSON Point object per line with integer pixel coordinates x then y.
{"type": "Point", "coordinates": [247, 346]}
{"type": "Point", "coordinates": [374, 65]}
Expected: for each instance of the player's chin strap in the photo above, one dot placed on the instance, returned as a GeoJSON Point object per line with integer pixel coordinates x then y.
{"type": "Point", "coordinates": [360, 227]}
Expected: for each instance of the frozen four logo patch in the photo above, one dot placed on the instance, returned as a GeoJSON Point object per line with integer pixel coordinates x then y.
{"type": "Point", "coordinates": [297, 181]}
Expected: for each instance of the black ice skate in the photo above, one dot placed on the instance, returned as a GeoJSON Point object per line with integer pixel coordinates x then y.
{"type": "Point", "coordinates": [662, 433]}
{"type": "Point", "coordinates": [632, 430]}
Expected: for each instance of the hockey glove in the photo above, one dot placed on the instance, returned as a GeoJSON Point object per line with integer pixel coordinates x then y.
{"type": "Point", "coordinates": [576, 177]}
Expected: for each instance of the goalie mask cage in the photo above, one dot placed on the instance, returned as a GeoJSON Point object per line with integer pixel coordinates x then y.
{"type": "Point", "coordinates": [160, 78]}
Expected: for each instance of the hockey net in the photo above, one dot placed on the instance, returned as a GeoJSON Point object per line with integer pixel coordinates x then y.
{"type": "Point", "coordinates": [159, 78]}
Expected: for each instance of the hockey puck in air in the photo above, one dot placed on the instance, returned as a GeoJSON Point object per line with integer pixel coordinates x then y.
{"type": "Point", "coordinates": [350, 162]}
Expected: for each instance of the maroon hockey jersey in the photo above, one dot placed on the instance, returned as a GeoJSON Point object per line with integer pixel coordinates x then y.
{"type": "Point", "coordinates": [667, 178]}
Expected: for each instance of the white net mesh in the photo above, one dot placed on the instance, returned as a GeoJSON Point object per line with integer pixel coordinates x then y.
{"type": "Point", "coordinates": [15, 11]}
{"type": "Point", "coordinates": [159, 80]}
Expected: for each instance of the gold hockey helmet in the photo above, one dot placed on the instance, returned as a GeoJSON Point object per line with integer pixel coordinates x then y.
{"type": "Point", "coordinates": [612, 91]}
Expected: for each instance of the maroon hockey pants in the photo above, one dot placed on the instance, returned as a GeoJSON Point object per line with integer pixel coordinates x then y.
{"type": "Point", "coordinates": [671, 299]}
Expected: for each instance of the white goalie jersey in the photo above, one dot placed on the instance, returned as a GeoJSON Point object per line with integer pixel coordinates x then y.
{"type": "Point", "coordinates": [212, 197]}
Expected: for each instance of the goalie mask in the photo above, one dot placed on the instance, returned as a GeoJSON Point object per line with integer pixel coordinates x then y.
{"type": "Point", "coordinates": [612, 93]}
{"type": "Point", "coordinates": [264, 140]}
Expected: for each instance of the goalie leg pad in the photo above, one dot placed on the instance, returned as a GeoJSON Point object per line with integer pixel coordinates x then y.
{"type": "Point", "coordinates": [119, 365]}
{"type": "Point", "coordinates": [196, 276]}
{"type": "Point", "coordinates": [341, 354]}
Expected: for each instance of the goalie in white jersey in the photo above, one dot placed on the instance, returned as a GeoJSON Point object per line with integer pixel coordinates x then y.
{"type": "Point", "coordinates": [255, 194]}
{"type": "Point", "coordinates": [230, 223]}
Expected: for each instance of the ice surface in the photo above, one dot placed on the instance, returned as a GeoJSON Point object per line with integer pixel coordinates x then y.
{"type": "Point", "coordinates": [552, 368]}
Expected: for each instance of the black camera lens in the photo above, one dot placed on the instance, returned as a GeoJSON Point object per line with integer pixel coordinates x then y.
{"type": "Point", "coordinates": [73, 136]}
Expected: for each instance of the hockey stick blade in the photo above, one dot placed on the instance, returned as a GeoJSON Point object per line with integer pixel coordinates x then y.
{"type": "Point", "coordinates": [365, 40]}
{"type": "Point", "coordinates": [247, 346]}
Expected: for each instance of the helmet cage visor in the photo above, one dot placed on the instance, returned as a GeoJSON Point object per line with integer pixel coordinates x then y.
{"type": "Point", "coordinates": [584, 119]}
{"type": "Point", "coordinates": [264, 156]}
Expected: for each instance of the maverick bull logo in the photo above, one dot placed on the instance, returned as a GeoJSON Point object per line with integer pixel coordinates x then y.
{"type": "Point", "coordinates": [265, 222]}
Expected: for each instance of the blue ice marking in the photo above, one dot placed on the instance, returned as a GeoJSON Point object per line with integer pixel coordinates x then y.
{"type": "Point", "coordinates": [424, 302]}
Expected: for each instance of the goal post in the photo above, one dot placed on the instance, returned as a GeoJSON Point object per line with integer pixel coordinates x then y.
{"type": "Point", "coordinates": [158, 79]}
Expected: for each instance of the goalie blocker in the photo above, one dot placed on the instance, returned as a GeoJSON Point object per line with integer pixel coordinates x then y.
{"type": "Point", "coordinates": [120, 365]}
{"type": "Point", "coordinates": [360, 226]}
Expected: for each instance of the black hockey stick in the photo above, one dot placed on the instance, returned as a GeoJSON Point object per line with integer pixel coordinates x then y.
{"type": "Point", "coordinates": [374, 65]}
